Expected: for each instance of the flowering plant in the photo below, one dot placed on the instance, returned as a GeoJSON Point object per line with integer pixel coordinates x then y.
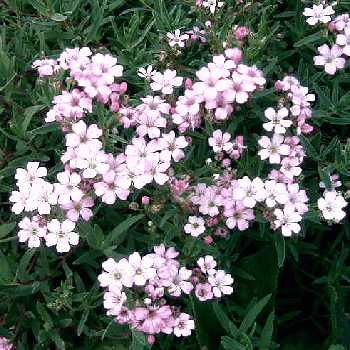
{"type": "Point", "coordinates": [164, 185]}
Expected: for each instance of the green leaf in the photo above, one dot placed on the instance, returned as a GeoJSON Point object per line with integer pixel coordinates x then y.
{"type": "Point", "coordinates": [208, 328]}
{"type": "Point", "coordinates": [45, 315]}
{"type": "Point", "coordinates": [45, 129]}
{"type": "Point", "coordinates": [266, 333]}
{"type": "Point", "coordinates": [252, 314]}
{"type": "Point", "coordinates": [337, 347]}
{"type": "Point", "coordinates": [138, 340]}
{"type": "Point", "coordinates": [329, 148]}
{"type": "Point", "coordinates": [82, 321]}
{"type": "Point", "coordinates": [116, 235]}
{"type": "Point", "coordinates": [325, 178]}
{"type": "Point", "coordinates": [280, 245]}
{"type": "Point", "coordinates": [5, 229]}
{"type": "Point", "coordinates": [310, 151]}
{"type": "Point", "coordinates": [28, 115]}
{"type": "Point", "coordinates": [58, 17]}
{"type": "Point", "coordinates": [225, 322]}
{"type": "Point", "coordinates": [57, 340]}
{"type": "Point", "coordinates": [313, 38]}
{"type": "Point", "coordinates": [231, 344]}
{"type": "Point", "coordinates": [6, 275]}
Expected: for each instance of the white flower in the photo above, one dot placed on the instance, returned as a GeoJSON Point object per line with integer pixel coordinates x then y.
{"type": "Point", "coordinates": [176, 38]}
{"type": "Point", "coordinates": [288, 220]}
{"type": "Point", "coordinates": [142, 268]}
{"type": "Point", "coordinates": [195, 226]}
{"type": "Point", "coordinates": [221, 283]}
{"type": "Point", "coordinates": [318, 14]}
{"type": "Point", "coordinates": [331, 206]}
{"type": "Point", "coordinates": [31, 232]}
{"type": "Point", "coordinates": [61, 235]}
{"type": "Point", "coordinates": [183, 325]}
{"type": "Point", "coordinates": [277, 123]}
{"type": "Point", "coordinates": [273, 148]}
{"type": "Point", "coordinates": [212, 4]}
{"type": "Point", "coordinates": [146, 73]}
{"type": "Point", "coordinates": [165, 82]}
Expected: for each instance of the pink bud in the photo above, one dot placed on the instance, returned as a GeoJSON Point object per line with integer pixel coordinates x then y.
{"type": "Point", "coordinates": [331, 26]}
{"type": "Point", "coordinates": [67, 167]}
{"type": "Point", "coordinates": [188, 83]}
{"type": "Point", "coordinates": [207, 23]}
{"type": "Point", "coordinates": [226, 162]}
{"type": "Point", "coordinates": [241, 32]}
{"type": "Point", "coordinates": [208, 240]}
{"type": "Point", "coordinates": [278, 85]}
{"type": "Point", "coordinates": [145, 200]}
{"type": "Point", "coordinates": [195, 279]}
{"type": "Point", "coordinates": [151, 339]}
{"type": "Point", "coordinates": [234, 54]}
{"type": "Point", "coordinates": [123, 86]}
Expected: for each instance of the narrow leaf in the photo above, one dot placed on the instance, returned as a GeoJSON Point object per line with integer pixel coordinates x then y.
{"type": "Point", "coordinates": [253, 313]}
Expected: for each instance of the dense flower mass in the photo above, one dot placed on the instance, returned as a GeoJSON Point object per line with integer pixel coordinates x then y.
{"type": "Point", "coordinates": [142, 153]}
{"type": "Point", "coordinates": [155, 276]}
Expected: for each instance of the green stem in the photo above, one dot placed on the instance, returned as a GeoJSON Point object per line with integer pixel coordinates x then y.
{"type": "Point", "coordinates": [8, 239]}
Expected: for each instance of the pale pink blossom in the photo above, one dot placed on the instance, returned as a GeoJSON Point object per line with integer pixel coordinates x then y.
{"type": "Point", "coordinates": [183, 325]}
{"type": "Point", "coordinates": [330, 58]}
{"type": "Point", "coordinates": [318, 14]}
{"type": "Point", "coordinates": [207, 264]}
{"type": "Point", "coordinates": [31, 231]}
{"type": "Point", "coordinates": [166, 81]}
{"type": "Point", "coordinates": [331, 205]}
{"type": "Point", "coordinates": [288, 220]}
{"type": "Point", "coordinates": [221, 283]}
{"type": "Point", "coordinates": [204, 291]}
{"type": "Point", "coordinates": [61, 235]}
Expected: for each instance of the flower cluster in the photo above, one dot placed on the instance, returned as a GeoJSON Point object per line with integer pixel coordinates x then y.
{"type": "Point", "coordinates": [94, 74]}
{"type": "Point", "coordinates": [330, 57]}
{"type": "Point", "coordinates": [138, 288]}
{"type": "Point", "coordinates": [42, 200]}
{"type": "Point", "coordinates": [332, 202]}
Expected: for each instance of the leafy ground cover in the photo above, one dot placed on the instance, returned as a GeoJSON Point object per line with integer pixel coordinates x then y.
{"type": "Point", "coordinates": [174, 174]}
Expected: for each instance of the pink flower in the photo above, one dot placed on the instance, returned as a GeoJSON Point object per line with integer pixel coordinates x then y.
{"type": "Point", "coordinates": [113, 301]}
{"type": "Point", "coordinates": [344, 40]}
{"type": "Point", "coordinates": [207, 264]}
{"type": "Point", "coordinates": [84, 138]}
{"type": "Point", "coordinates": [273, 148]}
{"type": "Point", "coordinates": [220, 142]}
{"type": "Point", "coordinates": [31, 231]}
{"type": "Point", "coordinates": [67, 189]}
{"type": "Point", "coordinates": [204, 291]}
{"type": "Point", "coordinates": [330, 58]}
{"type": "Point", "coordinates": [142, 268]}
{"type": "Point", "coordinates": [221, 283]}
{"type": "Point", "coordinates": [79, 208]}
{"type": "Point", "coordinates": [178, 281]}
{"type": "Point", "coordinates": [241, 32]}
{"type": "Point", "coordinates": [288, 220]}
{"type": "Point", "coordinates": [166, 82]}
{"type": "Point", "coordinates": [318, 14]}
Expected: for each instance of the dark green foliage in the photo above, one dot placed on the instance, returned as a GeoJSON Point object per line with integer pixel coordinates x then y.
{"type": "Point", "coordinates": [290, 293]}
